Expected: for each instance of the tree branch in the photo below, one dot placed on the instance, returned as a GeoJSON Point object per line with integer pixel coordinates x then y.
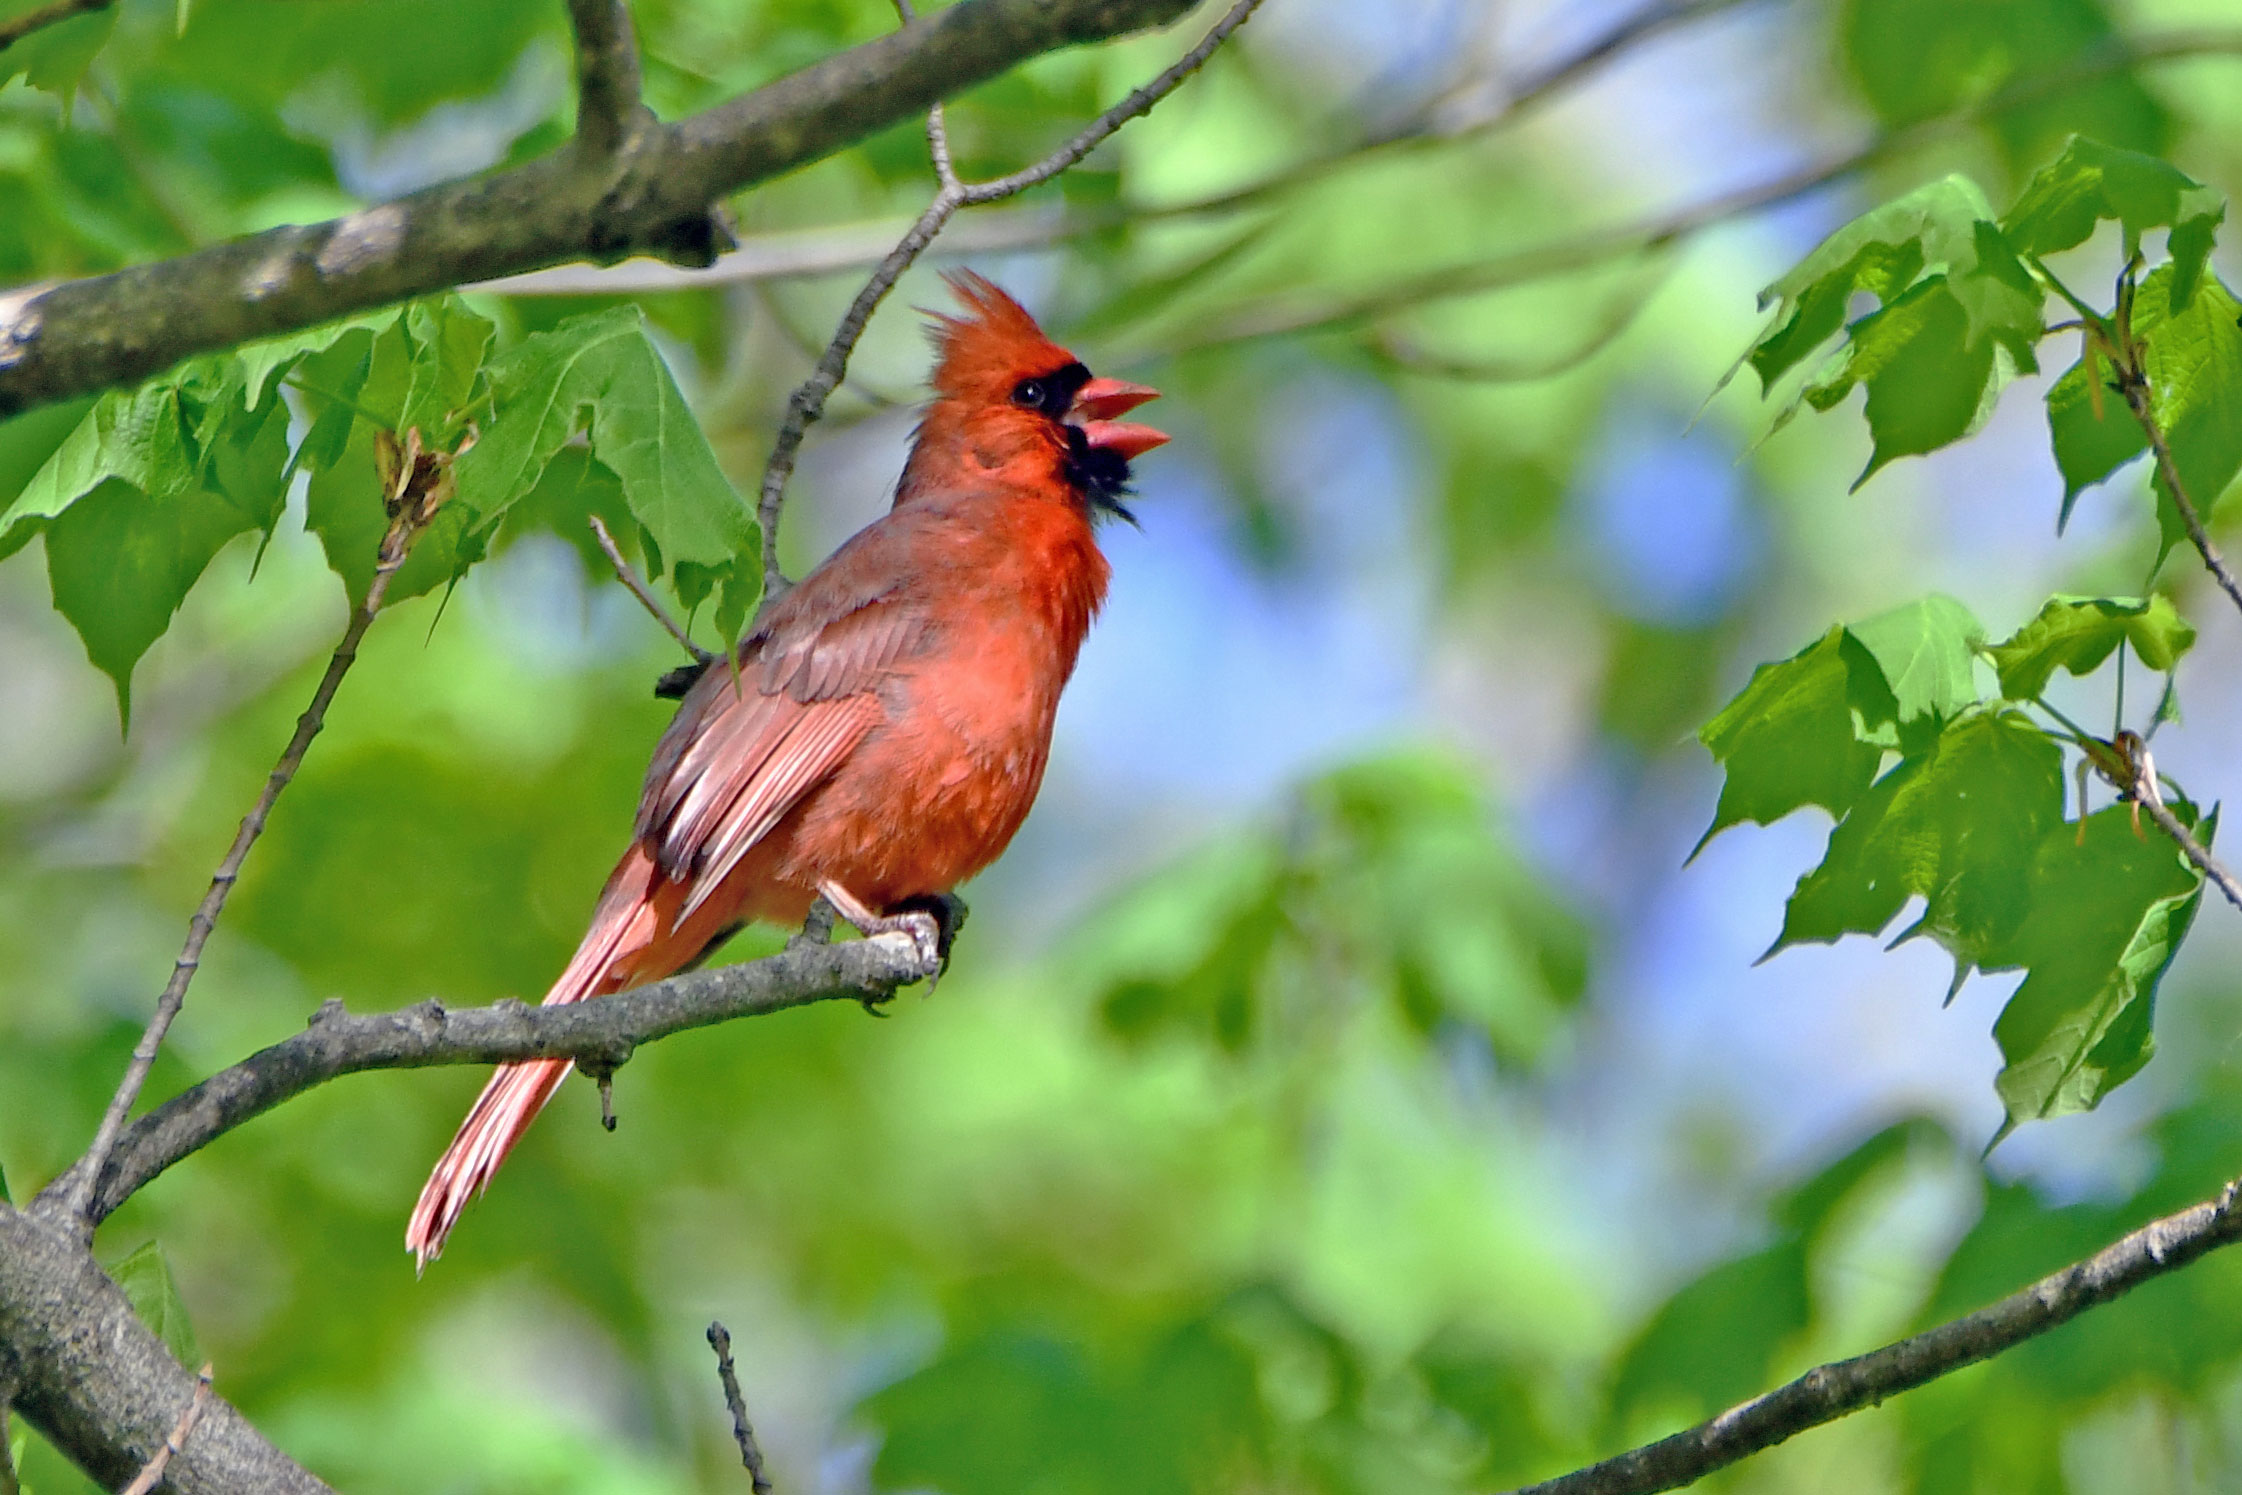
{"type": "Point", "coordinates": [99, 1385]}
{"type": "Point", "coordinates": [654, 195]}
{"type": "Point", "coordinates": [411, 509]}
{"type": "Point", "coordinates": [601, 1032]}
{"type": "Point", "coordinates": [807, 404]}
{"type": "Point", "coordinates": [1829, 1392]}
{"type": "Point", "coordinates": [152, 1475]}
{"type": "Point", "coordinates": [751, 1453]}
{"type": "Point", "coordinates": [607, 81]}
{"type": "Point", "coordinates": [15, 30]}
{"type": "Point", "coordinates": [1276, 315]}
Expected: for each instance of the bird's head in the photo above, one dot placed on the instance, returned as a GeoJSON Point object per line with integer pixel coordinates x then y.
{"type": "Point", "coordinates": [1009, 396]}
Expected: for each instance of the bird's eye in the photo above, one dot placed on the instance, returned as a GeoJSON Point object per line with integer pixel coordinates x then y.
{"type": "Point", "coordinates": [1028, 392]}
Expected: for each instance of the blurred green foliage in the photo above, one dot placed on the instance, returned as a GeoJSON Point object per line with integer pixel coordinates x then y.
{"type": "Point", "coordinates": [1267, 1172]}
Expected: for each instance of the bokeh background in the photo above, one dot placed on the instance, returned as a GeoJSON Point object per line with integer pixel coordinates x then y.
{"type": "Point", "coordinates": [1344, 1084]}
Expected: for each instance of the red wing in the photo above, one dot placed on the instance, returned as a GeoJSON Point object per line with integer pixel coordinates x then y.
{"type": "Point", "coordinates": [746, 748]}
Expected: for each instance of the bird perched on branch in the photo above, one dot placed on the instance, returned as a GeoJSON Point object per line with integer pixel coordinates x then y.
{"type": "Point", "coordinates": [887, 726]}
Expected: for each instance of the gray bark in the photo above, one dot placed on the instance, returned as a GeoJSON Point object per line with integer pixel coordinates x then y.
{"type": "Point", "coordinates": [651, 192]}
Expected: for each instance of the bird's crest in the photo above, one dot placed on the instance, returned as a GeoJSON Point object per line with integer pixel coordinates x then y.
{"type": "Point", "coordinates": [981, 355]}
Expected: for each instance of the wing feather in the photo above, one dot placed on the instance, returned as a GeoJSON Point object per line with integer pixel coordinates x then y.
{"type": "Point", "coordinates": [746, 747]}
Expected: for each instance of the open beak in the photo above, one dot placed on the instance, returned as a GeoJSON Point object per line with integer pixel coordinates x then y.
{"type": "Point", "coordinates": [1098, 401]}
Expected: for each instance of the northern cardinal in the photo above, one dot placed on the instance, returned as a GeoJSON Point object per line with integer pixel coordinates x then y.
{"type": "Point", "coordinates": [887, 727]}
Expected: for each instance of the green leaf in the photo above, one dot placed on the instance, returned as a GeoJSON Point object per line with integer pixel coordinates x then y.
{"type": "Point", "coordinates": [56, 56]}
{"type": "Point", "coordinates": [602, 373]}
{"type": "Point", "coordinates": [139, 496]}
{"type": "Point", "coordinates": [2194, 364]}
{"type": "Point", "coordinates": [2108, 915]}
{"type": "Point", "coordinates": [1927, 650]}
{"type": "Point", "coordinates": [1958, 824]}
{"type": "Point", "coordinates": [1884, 252]}
{"type": "Point", "coordinates": [1915, 59]}
{"type": "Point", "coordinates": [146, 1278]}
{"type": "Point", "coordinates": [2089, 446]}
{"type": "Point", "coordinates": [2078, 633]}
{"type": "Point", "coordinates": [1802, 732]}
{"type": "Point", "coordinates": [2092, 182]}
{"type": "Point", "coordinates": [120, 563]}
{"type": "Point", "coordinates": [264, 364]}
{"type": "Point", "coordinates": [421, 372]}
{"type": "Point", "coordinates": [1927, 384]}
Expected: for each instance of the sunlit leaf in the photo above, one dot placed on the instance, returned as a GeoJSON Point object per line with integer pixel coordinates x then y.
{"type": "Point", "coordinates": [2107, 917]}
{"type": "Point", "coordinates": [1956, 824]}
{"type": "Point", "coordinates": [2078, 633]}
{"type": "Point", "coordinates": [2092, 183]}
{"type": "Point", "coordinates": [601, 374]}
{"type": "Point", "coordinates": [1927, 650]}
{"type": "Point", "coordinates": [1801, 733]}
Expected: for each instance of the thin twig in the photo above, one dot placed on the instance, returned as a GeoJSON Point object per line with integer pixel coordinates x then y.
{"type": "Point", "coordinates": [2133, 383]}
{"type": "Point", "coordinates": [645, 596]}
{"type": "Point", "coordinates": [1831, 1391]}
{"type": "Point", "coordinates": [395, 546]}
{"type": "Point", "coordinates": [152, 1474]}
{"type": "Point", "coordinates": [2194, 850]}
{"type": "Point", "coordinates": [751, 1455]}
{"type": "Point", "coordinates": [607, 74]}
{"type": "Point", "coordinates": [9, 1484]}
{"type": "Point", "coordinates": [807, 404]}
{"type": "Point", "coordinates": [13, 31]}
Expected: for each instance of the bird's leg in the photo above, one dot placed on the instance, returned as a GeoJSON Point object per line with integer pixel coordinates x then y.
{"type": "Point", "coordinates": [921, 926]}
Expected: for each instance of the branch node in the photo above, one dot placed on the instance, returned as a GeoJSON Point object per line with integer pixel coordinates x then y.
{"type": "Point", "coordinates": [328, 1011]}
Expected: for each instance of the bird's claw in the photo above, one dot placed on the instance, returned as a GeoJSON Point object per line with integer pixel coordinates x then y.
{"type": "Point", "coordinates": [923, 929]}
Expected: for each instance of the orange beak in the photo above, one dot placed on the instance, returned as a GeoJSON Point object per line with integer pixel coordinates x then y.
{"type": "Point", "coordinates": [1098, 401]}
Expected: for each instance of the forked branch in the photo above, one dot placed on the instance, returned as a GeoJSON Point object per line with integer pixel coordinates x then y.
{"type": "Point", "coordinates": [807, 404]}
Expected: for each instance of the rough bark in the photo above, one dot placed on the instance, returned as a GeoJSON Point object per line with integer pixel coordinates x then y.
{"type": "Point", "coordinates": [653, 192]}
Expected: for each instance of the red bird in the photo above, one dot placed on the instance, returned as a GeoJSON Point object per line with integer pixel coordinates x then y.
{"type": "Point", "coordinates": [888, 726]}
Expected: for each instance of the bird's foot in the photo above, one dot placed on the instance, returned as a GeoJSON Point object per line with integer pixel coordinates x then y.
{"type": "Point", "coordinates": [923, 928]}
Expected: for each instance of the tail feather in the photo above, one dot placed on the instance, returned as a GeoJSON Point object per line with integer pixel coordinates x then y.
{"type": "Point", "coordinates": [517, 1092]}
{"type": "Point", "coordinates": [508, 1104]}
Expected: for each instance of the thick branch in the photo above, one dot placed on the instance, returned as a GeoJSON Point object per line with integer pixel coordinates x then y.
{"type": "Point", "coordinates": [807, 405]}
{"type": "Point", "coordinates": [1829, 1392]}
{"type": "Point", "coordinates": [603, 1032]}
{"type": "Point", "coordinates": [654, 195]}
{"type": "Point", "coordinates": [607, 82]}
{"type": "Point", "coordinates": [102, 1388]}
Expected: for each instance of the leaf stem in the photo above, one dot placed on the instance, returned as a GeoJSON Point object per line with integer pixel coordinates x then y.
{"type": "Point", "coordinates": [645, 596]}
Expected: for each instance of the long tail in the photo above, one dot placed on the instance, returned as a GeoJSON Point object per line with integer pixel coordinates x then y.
{"type": "Point", "coordinates": [517, 1092]}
